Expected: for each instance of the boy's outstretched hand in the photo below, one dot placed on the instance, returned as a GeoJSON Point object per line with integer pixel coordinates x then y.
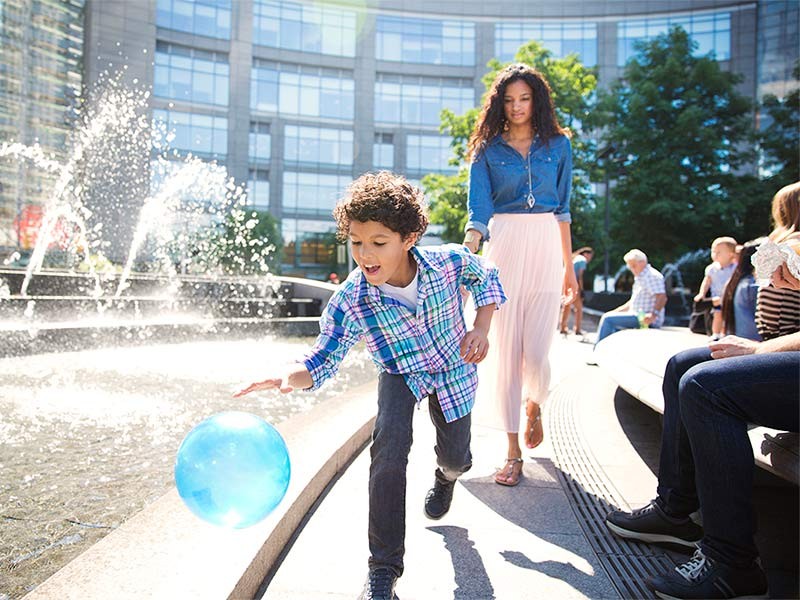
{"type": "Point", "coordinates": [276, 383]}
{"type": "Point", "coordinates": [474, 346]}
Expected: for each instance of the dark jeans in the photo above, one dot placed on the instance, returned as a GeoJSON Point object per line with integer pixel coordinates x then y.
{"type": "Point", "coordinates": [706, 456]}
{"type": "Point", "coordinates": [391, 443]}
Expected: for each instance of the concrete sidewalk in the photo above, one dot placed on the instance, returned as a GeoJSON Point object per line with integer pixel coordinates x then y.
{"type": "Point", "coordinates": [496, 542]}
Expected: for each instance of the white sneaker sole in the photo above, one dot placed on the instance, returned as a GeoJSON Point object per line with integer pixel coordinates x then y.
{"type": "Point", "coordinates": [650, 537]}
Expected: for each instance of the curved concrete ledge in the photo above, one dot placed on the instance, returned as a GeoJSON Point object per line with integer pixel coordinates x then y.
{"type": "Point", "coordinates": [636, 359]}
{"type": "Point", "coordinates": [166, 552]}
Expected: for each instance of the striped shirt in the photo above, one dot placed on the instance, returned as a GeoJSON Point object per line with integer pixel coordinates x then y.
{"type": "Point", "coordinates": [777, 312]}
{"type": "Point", "coordinates": [422, 344]}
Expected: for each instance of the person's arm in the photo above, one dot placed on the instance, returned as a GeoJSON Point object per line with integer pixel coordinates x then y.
{"type": "Point", "coordinates": [569, 289]}
{"type": "Point", "coordinates": [704, 285]}
{"type": "Point", "coordinates": [479, 203]}
{"type": "Point", "coordinates": [660, 302]}
{"type": "Point", "coordinates": [296, 377]}
{"type": "Point", "coordinates": [732, 345]}
{"type": "Point", "coordinates": [622, 307]}
{"type": "Point", "coordinates": [783, 278]}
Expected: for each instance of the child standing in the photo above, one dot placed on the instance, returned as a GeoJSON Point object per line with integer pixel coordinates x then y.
{"type": "Point", "coordinates": [405, 302]}
{"type": "Point", "coordinates": [723, 253]}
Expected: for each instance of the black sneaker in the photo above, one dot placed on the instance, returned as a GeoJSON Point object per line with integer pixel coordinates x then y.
{"type": "Point", "coordinates": [380, 585]}
{"type": "Point", "coordinates": [651, 524]}
{"type": "Point", "coordinates": [438, 500]}
{"type": "Point", "coordinates": [702, 577]}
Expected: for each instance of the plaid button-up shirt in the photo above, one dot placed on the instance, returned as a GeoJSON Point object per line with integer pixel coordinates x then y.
{"type": "Point", "coordinates": [421, 345]}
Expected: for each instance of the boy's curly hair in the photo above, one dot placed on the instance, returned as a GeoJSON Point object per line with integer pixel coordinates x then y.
{"type": "Point", "coordinates": [385, 198]}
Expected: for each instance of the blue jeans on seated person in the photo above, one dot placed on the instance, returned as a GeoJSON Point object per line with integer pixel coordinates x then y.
{"type": "Point", "coordinates": [391, 443]}
{"type": "Point", "coordinates": [706, 457]}
{"type": "Point", "coordinates": [614, 322]}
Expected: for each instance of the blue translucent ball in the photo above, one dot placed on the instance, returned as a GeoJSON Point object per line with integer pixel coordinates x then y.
{"type": "Point", "coordinates": [232, 469]}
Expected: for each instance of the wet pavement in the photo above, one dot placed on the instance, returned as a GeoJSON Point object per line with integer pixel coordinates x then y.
{"type": "Point", "coordinates": [87, 439]}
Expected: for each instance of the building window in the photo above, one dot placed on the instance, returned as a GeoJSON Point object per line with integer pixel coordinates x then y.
{"type": "Point", "coordinates": [426, 41]}
{"type": "Point", "coordinates": [383, 151]}
{"type": "Point", "coordinates": [428, 153]}
{"type": "Point", "coordinates": [312, 193]}
{"type": "Point", "coordinates": [711, 31]}
{"type": "Point", "coordinates": [561, 39]}
{"type": "Point", "coordinates": [258, 189]}
{"type": "Point", "coordinates": [309, 243]}
{"type": "Point", "coordinates": [203, 135]}
{"type": "Point", "coordinates": [211, 18]}
{"type": "Point", "coordinates": [307, 28]}
{"type": "Point", "coordinates": [318, 145]}
{"type": "Point", "coordinates": [260, 142]}
{"type": "Point", "coordinates": [191, 75]}
{"type": "Point", "coordinates": [418, 100]}
{"type": "Point", "coordinates": [302, 90]}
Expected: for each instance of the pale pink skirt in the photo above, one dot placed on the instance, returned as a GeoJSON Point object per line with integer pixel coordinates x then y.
{"type": "Point", "coordinates": [527, 250]}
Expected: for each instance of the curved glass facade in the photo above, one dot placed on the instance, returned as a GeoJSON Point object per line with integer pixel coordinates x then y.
{"type": "Point", "coordinates": [297, 98]}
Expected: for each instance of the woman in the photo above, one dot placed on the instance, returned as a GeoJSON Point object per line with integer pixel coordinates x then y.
{"type": "Point", "coordinates": [778, 308]}
{"type": "Point", "coordinates": [519, 187]}
{"type": "Point", "coordinates": [739, 296]}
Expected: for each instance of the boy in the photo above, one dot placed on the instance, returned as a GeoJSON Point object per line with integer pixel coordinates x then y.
{"type": "Point", "coordinates": [405, 302]}
{"type": "Point", "coordinates": [723, 253]}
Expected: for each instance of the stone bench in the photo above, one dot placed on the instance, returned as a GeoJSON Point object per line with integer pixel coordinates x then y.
{"type": "Point", "coordinates": [636, 358]}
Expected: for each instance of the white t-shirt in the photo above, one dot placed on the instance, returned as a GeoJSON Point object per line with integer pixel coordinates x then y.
{"type": "Point", "coordinates": [407, 296]}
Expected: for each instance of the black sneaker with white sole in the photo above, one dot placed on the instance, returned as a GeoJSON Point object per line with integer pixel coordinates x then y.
{"type": "Point", "coordinates": [702, 577]}
{"type": "Point", "coordinates": [653, 525]}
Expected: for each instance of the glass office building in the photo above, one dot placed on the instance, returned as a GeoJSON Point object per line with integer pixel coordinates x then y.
{"type": "Point", "coordinates": [40, 84]}
{"type": "Point", "coordinates": [296, 98]}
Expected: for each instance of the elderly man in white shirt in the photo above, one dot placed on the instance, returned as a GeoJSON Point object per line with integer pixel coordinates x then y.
{"type": "Point", "coordinates": [646, 305]}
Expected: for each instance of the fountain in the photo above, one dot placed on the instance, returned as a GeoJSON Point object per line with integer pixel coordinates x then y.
{"type": "Point", "coordinates": [90, 433]}
{"type": "Point", "coordinates": [191, 234]}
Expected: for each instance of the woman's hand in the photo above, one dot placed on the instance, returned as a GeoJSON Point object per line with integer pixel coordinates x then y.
{"type": "Point", "coordinates": [732, 345]}
{"type": "Point", "coordinates": [472, 240]}
{"type": "Point", "coordinates": [783, 278]}
{"type": "Point", "coordinates": [569, 290]}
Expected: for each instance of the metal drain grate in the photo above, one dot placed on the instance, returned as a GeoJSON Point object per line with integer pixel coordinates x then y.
{"type": "Point", "coordinates": [592, 497]}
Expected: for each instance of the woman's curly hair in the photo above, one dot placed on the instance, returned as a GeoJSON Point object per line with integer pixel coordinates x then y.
{"type": "Point", "coordinates": [492, 117]}
{"type": "Point", "coordinates": [385, 198]}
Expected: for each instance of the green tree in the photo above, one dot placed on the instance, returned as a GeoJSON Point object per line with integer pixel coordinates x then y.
{"type": "Point", "coordinates": [573, 87]}
{"type": "Point", "coordinates": [681, 132]}
{"type": "Point", "coordinates": [250, 243]}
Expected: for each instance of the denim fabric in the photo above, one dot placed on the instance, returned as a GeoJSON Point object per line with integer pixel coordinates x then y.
{"type": "Point", "coordinates": [706, 456]}
{"type": "Point", "coordinates": [744, 308]}
{"type": "Point", "coordinates": [613, 322]}
{"type": "Point", "coordinates": [391, 443]}
{"type": "Point", "coordinates": [501, 180]}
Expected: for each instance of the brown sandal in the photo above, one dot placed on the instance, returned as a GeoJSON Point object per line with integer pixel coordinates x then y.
{"type": "Point", "coordinates": [534, 432]}
{"type": "Point", "coordinates": [509, 475]}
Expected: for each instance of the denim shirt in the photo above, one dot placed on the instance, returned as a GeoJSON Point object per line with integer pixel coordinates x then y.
{"type": "Point", "coordinates": [502, 181]}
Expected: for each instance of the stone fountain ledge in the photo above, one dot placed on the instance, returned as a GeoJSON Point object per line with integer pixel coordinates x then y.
{"type": "Point", "coordinates": [166, 552]}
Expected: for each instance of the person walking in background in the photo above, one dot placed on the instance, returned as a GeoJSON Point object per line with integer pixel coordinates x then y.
{"type": "Point", "coordinates": [580, 259]}
{"type": "Point", "coordinates": [717, 274]}
{"type": "Point", "coordinates": [518, 204]}
{"type": "Point", "coordinates": [739, 296]}
{"type": "Point", "coordinates": [646, 305]}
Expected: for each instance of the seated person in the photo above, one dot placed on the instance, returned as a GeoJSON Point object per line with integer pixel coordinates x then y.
{"type": "Point", "coordinates": [739, 296]}
{"type": "Point", "coordinates": [646, 305]}
{"type": "Point", "coordinates": [710, 396]}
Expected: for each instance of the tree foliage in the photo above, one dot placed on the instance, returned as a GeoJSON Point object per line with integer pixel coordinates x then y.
{"type": "Point", "coordinates": [573, 87]}
{"type": "Point", "coordinates": [249, 243]}
{"type": "Point", "coordinates": [681, 133]}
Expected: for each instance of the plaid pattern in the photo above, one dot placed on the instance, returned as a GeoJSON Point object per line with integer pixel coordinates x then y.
{"type": "Point", "coordinates": [646, 285]}
{"type": "Point", "coordinates": [423, 346]}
